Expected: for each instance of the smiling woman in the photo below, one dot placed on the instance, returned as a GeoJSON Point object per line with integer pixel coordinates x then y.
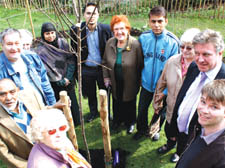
{"type": "Point", "coordinates": [123, 55]}
{"type": "Point", "coordinates": [52, 147]}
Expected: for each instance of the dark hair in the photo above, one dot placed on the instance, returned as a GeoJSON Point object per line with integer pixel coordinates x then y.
{"type": "Point", "coordinates": [90, 4]}
{"type": "Point", "coordinates": [158, 11]}
{"type": "Point", "coordinates": [47, 27]}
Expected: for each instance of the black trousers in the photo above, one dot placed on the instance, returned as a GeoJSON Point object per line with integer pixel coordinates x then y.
{"type": "Point", "coordinates": [91, 76]}
{"type": "Point", "coordinates": [168, 132]}
{"type": "Point", "coordinates": [182, 140]}
{"type": "Point", "coordinates": [71, 93]}
{"type": "Point", "coordinates": [144, 103]}
{"type": "Point", "coordinates": [124, 111]}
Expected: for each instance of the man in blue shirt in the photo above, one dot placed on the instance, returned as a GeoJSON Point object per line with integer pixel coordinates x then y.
{"type": "Point", "coordinates": [94, 36]}
{"type": "Point", "coordinates": [158, 45]}
{"type": "Point", "coordinates": [24, 67]}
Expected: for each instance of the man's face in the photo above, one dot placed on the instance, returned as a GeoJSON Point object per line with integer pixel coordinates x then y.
{"type": "Point", "coordinates": [8, 94]}
{"type": "Point", "coordinates": [87, 15]}
{"type": "Point", "coordinates": [206, 56]}
{"type": "Point", "coordinates": [211, 113]}
{"type": "Point", "coordinates": [50, 36]}
{"type": "Point", "coordinates": [12, 46]}
{"type": "Point", "coordinates": [157, 23]}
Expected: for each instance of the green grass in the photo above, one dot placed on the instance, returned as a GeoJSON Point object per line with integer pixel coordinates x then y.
{"type": "Point", "coordinates": [143, 152]}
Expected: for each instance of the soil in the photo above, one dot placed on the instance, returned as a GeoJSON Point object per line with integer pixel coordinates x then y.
{"type": "Point", "coordinates": [97, 157]}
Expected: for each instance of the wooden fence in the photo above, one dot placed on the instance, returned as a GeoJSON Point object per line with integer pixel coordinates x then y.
{"type": "Point", "coordinates": [133, 7]}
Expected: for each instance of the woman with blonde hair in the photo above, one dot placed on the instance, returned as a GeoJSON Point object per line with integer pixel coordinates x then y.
{"type": "Point", "coordinates": [171, 79]}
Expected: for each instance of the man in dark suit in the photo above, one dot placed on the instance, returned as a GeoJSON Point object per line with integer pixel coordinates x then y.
{"type": "Point", "coordinates": [94, 36]}
{"type": "Point", "coordinates": [208, 65]}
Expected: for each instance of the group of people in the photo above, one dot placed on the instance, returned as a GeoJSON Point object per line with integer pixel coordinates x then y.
{"type": "Point", "coordinates": [178, 75]}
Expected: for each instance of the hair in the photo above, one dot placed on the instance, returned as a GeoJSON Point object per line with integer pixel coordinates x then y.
{"type": "Point", "coordinates": [215, 91]}
{"type": "Point", "coordinates": [91, 4]}
{"type": "Point", "coordinates": [45, 120]}
{"type": "Point", "coordinates": [3, 80]}
{"type": "Point", "coordinates": [188, 35]}
{"type": "Point", "coordinates": [7, 32]}
{"type": "Point", "coordinates": [158, 11]}
{"type": "Point", "coordinates": [47, 27]}
{"type": "Point", "coordinates": [120, 18]}
{"type": "Point", "coordinates": [210, 36]}
{"type": "Point", "coordinates": [26, 33]}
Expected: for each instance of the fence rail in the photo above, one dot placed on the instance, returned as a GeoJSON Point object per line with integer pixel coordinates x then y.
{"type": "Point", "coordinates": [132, 7]}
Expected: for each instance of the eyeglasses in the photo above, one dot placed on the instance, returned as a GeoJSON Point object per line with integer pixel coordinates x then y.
{"type": "Point", "coordinates": [53, 131]}
{"type": "Point", "coordinates": [187, 47]}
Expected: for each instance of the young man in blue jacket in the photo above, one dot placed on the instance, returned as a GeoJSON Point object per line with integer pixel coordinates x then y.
{"type": "Point", "coordinates": [158, 45]}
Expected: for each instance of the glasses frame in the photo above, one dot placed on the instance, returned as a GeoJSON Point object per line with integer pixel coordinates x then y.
{"type": "Point", "coordinates": [61, 128]}
{"type": "Point", "coordinates": [188, 48]}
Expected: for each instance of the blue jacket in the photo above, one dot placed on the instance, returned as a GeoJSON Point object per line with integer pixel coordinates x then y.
{"type": "Point", "coordinates": [156, 49]}
{"type": "Point", "coordinates": [36, 71]}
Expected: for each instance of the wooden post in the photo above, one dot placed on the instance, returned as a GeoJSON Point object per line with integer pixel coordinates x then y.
{"type": "Point", "coordinates": [67, 112]}
{"type": "Point", "coordinates": [105, 128]}
{"type": "Point", "coordinates": [31, 23]}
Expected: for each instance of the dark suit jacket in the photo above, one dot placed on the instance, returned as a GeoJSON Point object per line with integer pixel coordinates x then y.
{"type": "Point", "coordinates": [104, 33]}
{"type": "Point", "coordinates": [192, 73]}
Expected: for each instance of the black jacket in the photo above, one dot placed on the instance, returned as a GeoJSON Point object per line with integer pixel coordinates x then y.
{"type": "Point", "coordinates": [192, 73]}
{"type": "Point", "coordinates": [104, 34]}
{"type": "Point", "coordinates": [209, 156]}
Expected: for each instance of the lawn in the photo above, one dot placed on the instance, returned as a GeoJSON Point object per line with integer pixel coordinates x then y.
{"type": "Point", "coordinates": [143, 152]}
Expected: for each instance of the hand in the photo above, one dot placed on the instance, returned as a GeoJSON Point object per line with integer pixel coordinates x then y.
{"type": "Point", "coordinates": [60, 105]}
{"type": "Point", "coordinates": [173, 138]}
{"type": "Point", "coordinates": [67, 81]}
{"type": "Point", "coordinates": [78, 24]}
{"type": "Point", "coordinates": [107, 82]}
{"type": "Point", "coordinates": [156, 111]}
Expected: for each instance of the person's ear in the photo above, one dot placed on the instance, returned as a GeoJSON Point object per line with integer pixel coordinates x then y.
{"type": "Point", "coordinates": [166, 20]}
{"type": "Point", "coordinates": [17, 89]}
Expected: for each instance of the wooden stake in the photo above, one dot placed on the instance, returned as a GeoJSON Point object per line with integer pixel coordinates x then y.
{"type": "Point", "coordinates": [31, 23]}
{"type": "Point", "coordinates": [105, 128]}
{"type": "Point", "coordinates": [67, 112]}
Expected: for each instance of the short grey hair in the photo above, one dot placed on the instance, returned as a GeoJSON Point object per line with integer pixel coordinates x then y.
{"type": "Point", "coordinates": [26, 33]}
{"type": "Point", "coordinates": [7, 32]}
{"type": "Point", "coordinates": [188, 35]}
{"type": "Point", "coordinates": [210, 36]}
{"type": "Point", "coordinates": [43, 120]}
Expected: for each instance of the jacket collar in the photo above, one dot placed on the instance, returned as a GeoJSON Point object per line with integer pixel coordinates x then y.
{"type": "Point", "coordinates": [160, 36]}
{"type": "Point", "coordinates": [8, 64]}
{"type": "Point", "coordinates": [127, 47]}
{"type": "Point", "coordinates": [9, 123]}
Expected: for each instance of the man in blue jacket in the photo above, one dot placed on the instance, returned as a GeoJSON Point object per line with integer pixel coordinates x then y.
{"type": "Point", "coordinates": [158, 45]}
{"type": "Point", "coordinates": [25, 68]}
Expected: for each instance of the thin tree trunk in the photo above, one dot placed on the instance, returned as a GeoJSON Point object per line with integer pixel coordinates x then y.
{"type": "Point", "coordinates": [31, 23]}
{"type": "Point", "coordinates": [199, 8]}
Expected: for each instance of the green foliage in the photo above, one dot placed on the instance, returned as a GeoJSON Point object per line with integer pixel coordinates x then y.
{"type": "Point", "coordinates": [143, 152]}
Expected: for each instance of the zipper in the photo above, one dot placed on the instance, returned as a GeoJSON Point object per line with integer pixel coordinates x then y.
{"type": "Point", "coordinates": [153, 63]}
